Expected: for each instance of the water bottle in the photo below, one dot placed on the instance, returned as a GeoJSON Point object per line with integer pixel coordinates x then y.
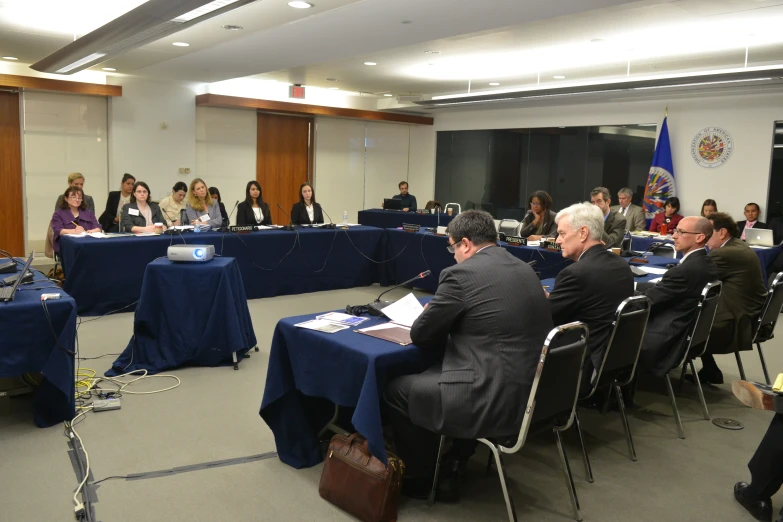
{"type": "Point", "coordinates": [345, 217]}
{"type": "Point", "coordinates": [197, 228]}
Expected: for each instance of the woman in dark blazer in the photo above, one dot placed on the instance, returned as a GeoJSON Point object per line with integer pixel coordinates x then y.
{"type": "Point", "coordinates": [307, 211]}
{"type": "Point", "coordinates": [110, 219]}
{"type": "Point", "coordinates": [540, 219]}
{"type": "Point", "coordinates": [141, 214]}
{"type": "Point", "coordinates": [253, 211]}
{"type": "Point", "coordinates": [215, 193]}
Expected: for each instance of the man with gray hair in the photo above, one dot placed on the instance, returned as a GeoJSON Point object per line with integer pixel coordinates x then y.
{"type": "Point", "coordinates": [614, 223]}
{"type": "Point", "coordinates": [591, 289]}
{"type": "Point", "coordinates": [633, 214]}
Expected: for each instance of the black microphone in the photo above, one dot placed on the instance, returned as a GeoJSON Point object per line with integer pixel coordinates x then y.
{"type": "Point", "coordinates": [226, 225]}
{"type": "Point", "coordinates": [650, 248]}
{"type": "Point", "coordinates": [331, 223]}
{"type": "Point", "coordinates": [8, 267]}
{"type": "Point", "coordinates": [169, 231]}
{"type": "Point", "coordinates": [290, 226]}
{"type": "Point", "coordinates": [377, 306]}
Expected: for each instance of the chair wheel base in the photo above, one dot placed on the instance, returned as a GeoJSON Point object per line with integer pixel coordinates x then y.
{"type": "Point", "coordinates": [256, 349]}
{"type": "Point", "coordinates": [236, 366]}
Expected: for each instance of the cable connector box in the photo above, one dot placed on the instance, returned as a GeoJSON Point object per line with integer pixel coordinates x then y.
{"type": "Point", "coordinates": [106, 405]}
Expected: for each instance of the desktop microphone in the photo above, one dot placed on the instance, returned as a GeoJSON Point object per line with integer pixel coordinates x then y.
{"type": "Point", "coordinates": [377, 306]}
{"type": "Point", "coordinates": [650, 248]}
{"type": "Point", "coordinates": [8, 267]}
{"type": "Point", "coordinates": [331, 223]}
{"type": "Point", "coordinates": [290, 226]}
{"type": "Point", "coordinates": [226, 225]}
{"type": "Point", "coordinates": [169, 231]}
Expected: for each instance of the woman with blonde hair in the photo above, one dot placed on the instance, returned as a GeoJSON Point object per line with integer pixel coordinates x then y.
{"type": "Point", "coordinates": [76, 179]}
{"type": "Point", "coordinates": [201, 209]}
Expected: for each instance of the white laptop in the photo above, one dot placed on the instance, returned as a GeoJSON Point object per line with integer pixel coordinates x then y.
{"type": "Point", "coordinates": [759, 237]}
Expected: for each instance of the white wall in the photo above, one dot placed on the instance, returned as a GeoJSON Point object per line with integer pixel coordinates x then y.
{"type": "Point", "coordinates": [386, 161]}
{"type": "Point", "coordinates": [339, 167]}
{"type": "Point", "coordinates": [748, 118]}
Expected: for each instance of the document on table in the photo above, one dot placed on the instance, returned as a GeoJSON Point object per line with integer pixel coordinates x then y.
{"type": "Point", "coordinates": [268, 227]}
{"type": "Point", "coordinates": [652, 270]}
{"type": "Point", "coordinates": [340, 318]}
{"type": "Point", "coordinates": [146, 234]}
{"type": "Point", "coordinates": [98, 234]}
{"type": "Point", "coordinates": [533, 243]}
{"type": "Point", "coordinates": [182, 227]}
{"type": "Point", "coordinates": [322, 326]}
{"type": "Point", "coordinates": [391, 332]}
{"type": "Point", "coordinates": [83, 234]}
{"type": "Point", "coordinates": [405, 311]}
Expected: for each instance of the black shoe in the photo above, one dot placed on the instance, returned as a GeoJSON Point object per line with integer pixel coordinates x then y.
{"type": "Point", "coordinates": [759, 509]}
{"type": "Point", "coordinates": [419, 489]}
{"type": "Point", "coordinates": [707, 376]}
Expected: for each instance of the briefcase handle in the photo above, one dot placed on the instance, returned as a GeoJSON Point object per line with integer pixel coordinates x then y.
{"type": "Point", "coordinates": [365, 447]}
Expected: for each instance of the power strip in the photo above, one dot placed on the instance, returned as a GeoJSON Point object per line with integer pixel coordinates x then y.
{"type": "Point", "coordinates": [106, 405]}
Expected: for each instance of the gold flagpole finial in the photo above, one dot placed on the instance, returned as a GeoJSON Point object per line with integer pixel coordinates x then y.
{"type": "Point", "coordinates": [666, 112]}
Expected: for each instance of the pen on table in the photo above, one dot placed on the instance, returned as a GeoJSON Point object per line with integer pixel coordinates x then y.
{"type": "Point", "coordinates": [544, 286]}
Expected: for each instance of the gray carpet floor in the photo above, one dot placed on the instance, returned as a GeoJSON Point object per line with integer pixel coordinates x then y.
{"type": "Point", "coordinates": [213, 415]}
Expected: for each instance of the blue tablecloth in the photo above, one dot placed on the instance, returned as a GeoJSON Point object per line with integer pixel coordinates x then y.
{"type": "Point", "coordinates": [105, 274]}
{"type": "Point", "coordinates": [189, 313]}
{"type": "Point", "coordinates": [394, 218]}
{"type": "Point", "coordinates": [29, 345]}
{"type": "Point", "coordinates": [414, 253]}
{"type": "Point", "coordinates": [347, 368]}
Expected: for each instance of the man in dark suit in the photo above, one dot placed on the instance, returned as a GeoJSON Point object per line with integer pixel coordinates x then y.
{"type": "Point", "coordinates": [490, 318]}
{"type": "Point", "coordinates": [742, 295]}
{"type": "Point", "coordinates": [614, 222]}
{"type": "Point", "coordinates": [675, 297]}
{"type": "Point", "coordinates": [752, 212]}
{"type": "Point", "coordinates": [591, 289]}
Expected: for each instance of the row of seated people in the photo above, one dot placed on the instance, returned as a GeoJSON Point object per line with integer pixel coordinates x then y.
{"type": "Point", "coordinates": [489, 319]}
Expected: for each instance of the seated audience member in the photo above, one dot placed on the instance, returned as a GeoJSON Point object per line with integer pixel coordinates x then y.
{"type": "Point", "coordinates": [433, 204]}
{"type": "Point", "coordinates": [708, 208]}
{"type": "Point", "coordinates": [614, 223]}
{"type": "Point", "coordinates": [73, 217]}
{"type": "Point", "coordinates": [742, 295]}
{"type": "Point", "coordinates": [407, 201]}
{"type": "Point", "coordinates": [141, 214]}
{"type": "Point", "coordinates": [201, 209]}
{"type": "Point", "coordinates": [591, 289]}
{"type": "Point", "coordinates": [668, 217]}
{"type": "Point", "coordinates": [253, 211]}
{"type": "Point", "coordinates": [540, 220]}
{"type": "Point", "coordinates": [633, 214]}
{"type": "Point", "coordinates": [489, 319]}
{"type": "Point", "coordinates": [172, 206]}
{"type": "Point", "coordinates": [215, 193]}
{"type": "Point", "coordinates": [110, 219]}
{"type": "Point", "coordinates": [675, 296]}
{"type": "Point", "coordinates": [307, 211]}
{"type": "Point", "coordinates": [752, 211]}
{"type": "Point", "coordinates": [76, 179]}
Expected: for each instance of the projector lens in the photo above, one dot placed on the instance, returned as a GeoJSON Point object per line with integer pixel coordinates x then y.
{"type": "Point", "coordinates": [198, 253]}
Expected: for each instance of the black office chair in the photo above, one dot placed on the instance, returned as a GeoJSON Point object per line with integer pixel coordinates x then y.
{"type": "Point", "coordinates": [695, 344]}
{"type": "Point", "coordinates": [665, 251]}
{"type": "Point", "coordinates": [764, 327]}
{"type": "Point", "coordinates": [551, 404]}
{"type": "Point", "coordinates": [620, 359]}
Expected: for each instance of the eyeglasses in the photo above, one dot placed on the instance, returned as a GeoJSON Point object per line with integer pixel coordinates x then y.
{"type": "Point", "coordinates": [75, 198]}
{"type": "Point", "coordinates": [450, 246]}
{"type": "Point", "coordinates": [683, 232]}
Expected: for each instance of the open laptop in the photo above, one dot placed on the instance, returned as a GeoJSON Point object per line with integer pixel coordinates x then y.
{"type": "Point", "coordinates": [7, 293]}
{"type": "Point", "coordinates": [759, 237]}
{"type": "Point", "coordinates": [392, 204]}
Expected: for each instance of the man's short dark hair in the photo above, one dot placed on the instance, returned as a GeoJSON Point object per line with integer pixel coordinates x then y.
{"type": "Point", "coordinates": [758, 209]}
{"type": "Point", "coordinates": [477, 226]}
{"type": "Point", "coordinates": [723, 220]}
{"type": "Point", "coordinates": [401, 183]}
{"type": "Point", "coordinates": [603, 191]}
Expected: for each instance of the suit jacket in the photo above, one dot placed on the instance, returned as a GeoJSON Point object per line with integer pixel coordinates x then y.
{"type": "Point", "coordinates": [548, 227]}
{"type": "Point", "coordinates": [62, 218]}
{"type": "Point", "coordinates": [634, 217]}
{"type": "Point", "coordinates": [127, 222]}
{"type": "Point", "coordinates": [658, 220]}
{"type": "Point", "coordinates": [299, 214]}
{"type": "Point", "coordinates": [590, 291]}
{"type": "Point", "coordinates": [491, 316]}
{"type": "Point", "coordinates": [215, 217]}
{"type": "Point", "coordinates": [87, 201]}
{"type": "Point", "coordinates": [107, 218]}
{"type": "Point", "coordinates": [742, 296]}
{"type": "Point", "coordinates": [673, 311]}
{"type": "Point", "coordinates": [245, 215]}
{"type": "Point", "coordinates": [614, 230]}
{"type": "Point", "coordinates": [759, 224]}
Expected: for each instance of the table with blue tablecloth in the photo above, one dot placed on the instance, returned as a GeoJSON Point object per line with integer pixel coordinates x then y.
{"type": "Point", "coordinates": [188, 313]}
{"type": "Point", "coordinates": [347, 368]}
{"type": "Point", "coordinates": [104, 275]}
{"type": "Point", "coordinates": [29, 343]}
{"type": "Point", "coordinates": [394, 218]}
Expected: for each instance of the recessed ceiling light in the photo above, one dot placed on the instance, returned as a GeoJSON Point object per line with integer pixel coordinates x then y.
{"type": "Point", "coordinates": [334, 88]}
{"type": "Point", "coordinates": [10, 58]}
{"type": "Point", "coordinates": [406, 22]}
{"type": "Point", "coordinates": [596, 40]}
{"type": "Point", "coordinates": [431, 52]}
{"type": "Point", "coordinates": [370, 63]}
{"type": "Point", "coordinates": [233, 27]}
{"type": "Point", "coordinates": [300, 5]}
{"type": "Point", "coordinates": [109, 69]}
{"type": "Point", "coordinates": [331, 79]}
{"type": "Point", "coordinates": [559, 77]}
{"type": "Point", "coordinates": [388, 95]}
{"type": "Point", "coordinates": [181, 44]}
{"type": "Point", "coordinates": [494, 84]}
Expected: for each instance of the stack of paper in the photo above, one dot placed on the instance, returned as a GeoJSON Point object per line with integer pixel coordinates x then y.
{"type": "Point", "coordinates": [340, 318]}
{"type": "Point", "coordinates": [405, 311]}
{"type": "Point", "coordinates": [322, 326]}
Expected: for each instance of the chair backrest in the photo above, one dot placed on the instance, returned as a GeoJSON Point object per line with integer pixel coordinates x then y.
{"type": "Point", "coordinates": [431, 204]}
{"type": "Point", "coordinates": [705, 314]}
{"type": "Point", "coordinates": [772, 307]}
{"type": "Point", "coordinates": [497, 225]}
{"type": "Point", "coordinates": [183, 217]}
{"type": "Point", "coordinates": [665, 251]}
{"type": "Point", "coordinates": [625, 343]}
{"type": "Point", "coordinates": [558, 375]}
{"type": "Point", "coordinates": [455, 208]}
{"type": "Point", "coordinates": [508, 227]}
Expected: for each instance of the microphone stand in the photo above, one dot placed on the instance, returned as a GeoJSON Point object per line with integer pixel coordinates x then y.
{"type": "Point", "coordinates": [225, 226]}
{"type": "Point", "coordinates": [290, 226]}
{"type": "Point", "coordinates": [377, 306]}
{"type": "Point", "coordinates": [331, 223]}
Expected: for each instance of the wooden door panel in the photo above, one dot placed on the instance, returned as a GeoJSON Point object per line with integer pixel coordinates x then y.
{"type": "Point", "coordinates": [11, 209]}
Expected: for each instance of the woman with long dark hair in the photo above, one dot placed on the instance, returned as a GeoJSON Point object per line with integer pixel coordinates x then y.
{"type": "Point", "coordinates": [307, 211]}
{"type": "Point", "coordinates": [540, 219]}
{"type": "Point", "coordinates": [140, 215]}
{"type": "Point", "coordinates": [708, 207]}
{"type": "Point", "coordinates": [110, 219]}
{"type": "Point", "coordinates": [215, 193]}
{"type": "Point", "coordinates": [253, 211]}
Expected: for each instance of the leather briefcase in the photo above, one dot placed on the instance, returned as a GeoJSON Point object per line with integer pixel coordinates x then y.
{"type": "Point", "coordinates": [358, 483]}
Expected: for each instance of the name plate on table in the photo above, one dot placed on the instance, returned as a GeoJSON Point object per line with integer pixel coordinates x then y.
{"type": "Point", "coordinates": [244, 229]}
{"type": "Point", "coordinates": [516, 241]}
{"type": "Point", "coordinates": [407, 227]}
{"type": "Point", "coordinates": [551, 245]}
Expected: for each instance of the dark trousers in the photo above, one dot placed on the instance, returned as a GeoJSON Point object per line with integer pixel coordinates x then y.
{"type": "Point", "coordinates": [766, 466]}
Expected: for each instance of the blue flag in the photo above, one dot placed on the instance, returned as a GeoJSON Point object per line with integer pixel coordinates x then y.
{"type": "Point", "coordinates": [660, 180]}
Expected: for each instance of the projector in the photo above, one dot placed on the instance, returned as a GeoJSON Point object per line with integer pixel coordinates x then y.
{"type": "Point", "coordinates": [191, 253]}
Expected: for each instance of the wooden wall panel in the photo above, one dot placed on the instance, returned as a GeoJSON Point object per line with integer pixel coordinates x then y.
{"type": "Point", "coordinates": [283, 160]}
{"type": "Point", "coordinates": [48, 84]}
{"type": "Point", "coordinates": [11, 210]}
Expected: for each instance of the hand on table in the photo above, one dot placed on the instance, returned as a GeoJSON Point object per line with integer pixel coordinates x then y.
{"type": "Point", "coordinates": [405, 209]}
{"type": "Point", "coordinates": [78, 230]}
{"type": "Point", "coordinates": [94, 230]}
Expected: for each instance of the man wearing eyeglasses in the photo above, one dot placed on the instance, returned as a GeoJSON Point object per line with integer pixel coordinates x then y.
{"type": "Point", "coordinates": [675, 296]}
{"type": "Point", "coordinates": [489, 318]}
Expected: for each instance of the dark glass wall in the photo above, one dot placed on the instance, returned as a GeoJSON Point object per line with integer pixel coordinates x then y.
{"type": "Point", "coordinates": [775, 198]}
{"type": "Point", "coordinates": [496, 170]}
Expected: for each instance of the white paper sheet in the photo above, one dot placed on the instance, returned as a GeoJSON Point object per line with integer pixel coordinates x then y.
{"type": "Point", "coordinates": [652, 269]}
{"type": "Point", "coordinates": [341, 318]}
{"type": "Point", "coordinates": [322, 326]}
{"type": "Point", "coordinates": [405, 311]}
